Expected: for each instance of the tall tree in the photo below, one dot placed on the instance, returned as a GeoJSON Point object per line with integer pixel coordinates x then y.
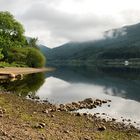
{"type": "Point", "coordinates": [11, 31]}
{"type": "Point", "coordinates": [33, 42]}
{"type": "Point", "coordinates": [13, 44]}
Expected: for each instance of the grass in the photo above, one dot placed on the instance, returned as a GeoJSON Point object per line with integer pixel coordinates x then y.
{"type": "Point", "coordinates": [62, 125]}
{"type": "Point", "coordinates": [5, 64]}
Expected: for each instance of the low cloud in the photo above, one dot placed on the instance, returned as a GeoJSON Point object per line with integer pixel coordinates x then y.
{"type": "Point", "coordinates": [56, 22]}
{"type": "Point", "coordinates": [115, 33]}
{"type": "Point", "coordinates": [69, 27]}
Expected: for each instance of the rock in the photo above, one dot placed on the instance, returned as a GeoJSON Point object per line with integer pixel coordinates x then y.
{"type": "Point", "coordinates": [113, 119]}
{"type": "Point", "coordinates": [132, 126]}
{"type": "Point", "coordinates": [12, 75]}
{"type": "Point", "coordinates": [1, 112]}
{"type": "Point", "coordinates": [41, 125]}
{"type": "Point", "coordinates": [97, 113]}
{"type": "Point", "coordinates": [129, 120]}
{"type": "Point", "coordinates": [35, 98]}
{"type": "Point", "coordinates": [63, 109]}
{"type": "Point", "coordinates": [78, 114]}
{"type": "Point", "coordinates": [103, 113]}
{"type": "Point", "coordinates": [88, 100]}
{"type": "Point", "coordinates": [98, 100]}
{"type": "Point", "coordinates": [62, 105]}
{"type": "Point", "coordinates": [93, 106]}
{"type": "Point", "coordinates": [52, 116]}
{"type": "Point", "coordinates": [85, 114]}
{"type": "Point", "coordinates": [97, 103]}
{"type": "Point", "coordinates": [45, 101]}
{"type": "Point", "coordinates": [4, 110]}
{"type": "Point", "coordinates": [75, 104]}
{"type": "Point", "coordinates": [57, 107]}
{"type": "Point", "coordinates": [19, 76]}
{"type": "Point", "coordinates": [34, 112]}
{"type": "Point", "coordinates": [66, 131]}
{"type": "Point", "coordinates": [45, 111]}
{"type": "Point", "coordinates": [109, 100]}
{"type": "Point", "coordinates": [104, 120]}
{"type": "Point", "coordinates": [87, 138]}
{"type": "Point", "coordinates": [29, 96]}
{"type": "Point", "coordinates": [104, 101]}
{"type": "Point", "coordinates": [102, 128]}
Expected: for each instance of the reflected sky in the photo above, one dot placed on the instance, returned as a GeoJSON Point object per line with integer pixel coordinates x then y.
{"type": "Point", "coordinates": [65, 85]}
{"type": "Point", "coordinates": [59, 91]}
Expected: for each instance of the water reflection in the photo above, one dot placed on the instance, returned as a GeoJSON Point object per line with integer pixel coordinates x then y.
{"type": "Point", "coordinates": [123, 82]}
{"type": "Point", "coordinates": [67, 85]}
{"type": "Point", "coordinates": [29, 84]}
{"type": "Point", "coordinates": [121, 85]}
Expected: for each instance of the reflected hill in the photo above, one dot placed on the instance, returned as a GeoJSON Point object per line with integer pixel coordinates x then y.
{"type": "Point", "coordinates": [124, 82]}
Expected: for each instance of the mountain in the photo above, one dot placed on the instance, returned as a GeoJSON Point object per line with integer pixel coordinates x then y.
{"type": "Point", "coordinates": [117, 46]}
{"type": "Point", "coordinates": [44, 49]}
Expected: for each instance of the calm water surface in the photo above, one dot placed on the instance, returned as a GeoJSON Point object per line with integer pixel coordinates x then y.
{"type": "Point", "coordinates": [121, 85]}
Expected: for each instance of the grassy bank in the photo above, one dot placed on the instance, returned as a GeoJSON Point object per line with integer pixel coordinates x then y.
{"type": "Point", "coordinates": [24, 119]}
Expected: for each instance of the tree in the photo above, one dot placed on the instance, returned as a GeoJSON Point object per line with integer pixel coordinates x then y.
{"type": "Point", "coordinates": [33, 42]}
{"type": "Point", "coordinates": [16, 55]}
{"type": "Point", "coordinates": [13, 44]}
{"type": "Point", "coordinates": [1, 54]}
{"type": "Point", "coordinates": [11, 31]}
{"type": "Point", "coordinates": [35, 58]}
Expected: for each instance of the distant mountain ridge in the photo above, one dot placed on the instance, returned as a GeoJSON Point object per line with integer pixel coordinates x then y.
{"type": "Point", "coordinates": [122, 43]}
{"type": "Point", "coordinates": [116, 46]}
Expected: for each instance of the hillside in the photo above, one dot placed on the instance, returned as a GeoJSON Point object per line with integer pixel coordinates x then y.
{"type": "Point", "coordinates": [122, 43]}
{"type": "Point", "coordinates": [43, 49]}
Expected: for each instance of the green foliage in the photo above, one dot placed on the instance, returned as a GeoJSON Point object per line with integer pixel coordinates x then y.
{"type": "Point", "coordinates": [1, 54]}
{"type": "Point", "coordinates": [13, 64]}
{"type": "Point", "coordinates": [17, 55]}
{"type": "Point", "coordinates": [11, 31]}
{"type": "Point", "coordinates": [35, 58]}
{"type": "Point", "coordinates": [33, 42]}
{"type": "Point", "coordinates": [25, 57]}
{"type": "Point", "coordinates": [14, 48]}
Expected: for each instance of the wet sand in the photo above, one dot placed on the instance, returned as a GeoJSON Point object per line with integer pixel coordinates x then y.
{"type": "Point", "coordinates": [19, 70]}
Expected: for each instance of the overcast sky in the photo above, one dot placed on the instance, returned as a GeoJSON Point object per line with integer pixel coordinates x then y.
{"type": "Point", "coordinates": [56, 22]}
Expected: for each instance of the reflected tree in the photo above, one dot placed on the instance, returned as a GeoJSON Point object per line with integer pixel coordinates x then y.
{"type": "Point", "coordinates": [30, 84]}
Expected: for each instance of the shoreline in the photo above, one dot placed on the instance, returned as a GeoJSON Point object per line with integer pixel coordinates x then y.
{"type": "Point", "coordinates": [24, 119]}
{"type": "Point", "coordinates": [14, 72]}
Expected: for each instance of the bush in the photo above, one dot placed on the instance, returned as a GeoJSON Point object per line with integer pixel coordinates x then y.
{"type": "Point", "coordinates": [27, 56]}
{"type": "Point", "coordinates": [35, 58]}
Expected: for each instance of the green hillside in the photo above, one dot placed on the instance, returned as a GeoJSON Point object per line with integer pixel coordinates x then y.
{"type": "Point", "coordinates": [122, 44]}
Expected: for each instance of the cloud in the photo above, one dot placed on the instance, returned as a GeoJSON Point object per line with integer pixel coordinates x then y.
{"type": "Point", "coordinates": [70, 27]}
{"type": "Point", "coordinates": [56, 22]}
{"type": "Point", "coordinates": [115, 33]}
